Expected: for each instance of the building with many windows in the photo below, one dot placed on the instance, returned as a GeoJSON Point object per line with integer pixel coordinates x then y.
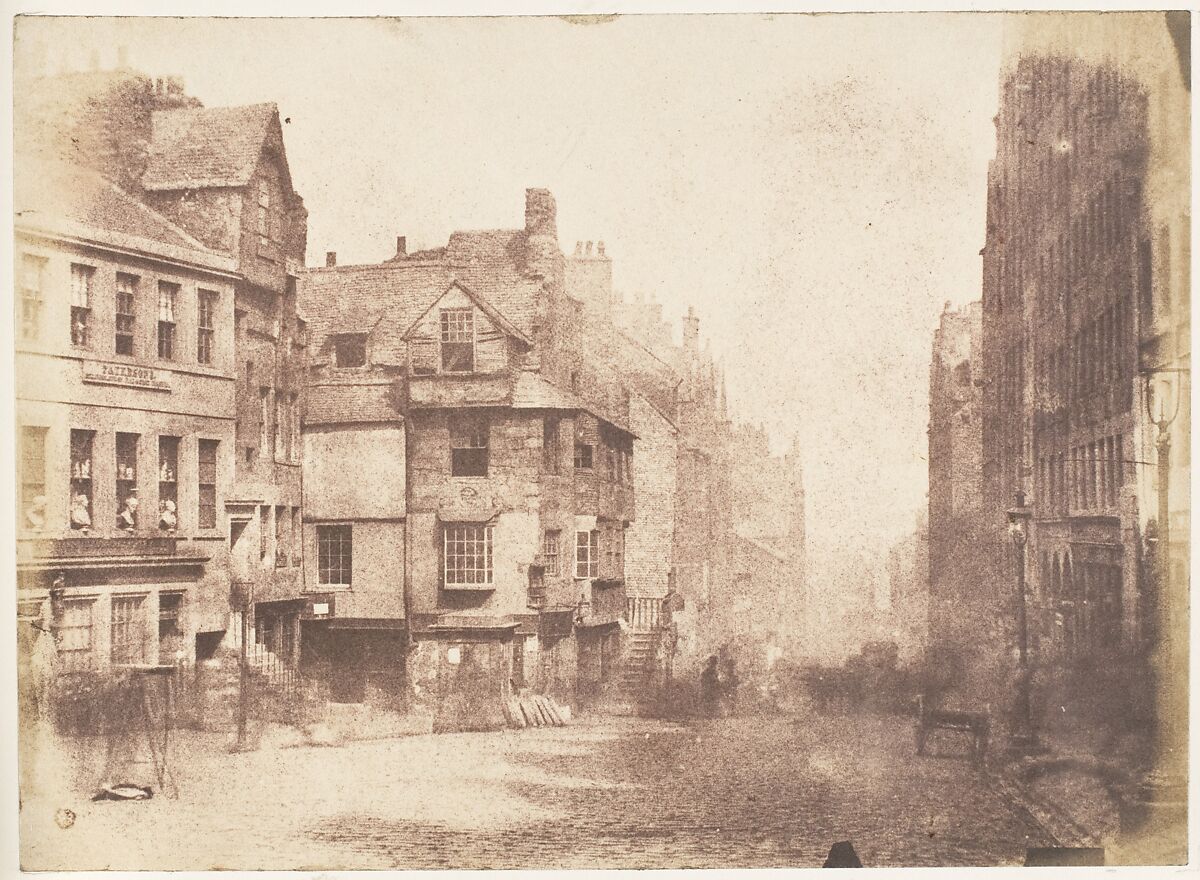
{"type": "Point", "coordinates": [206, 330]}
{"type": "Point", "coordinates": [125, 430]}
{"type": "Point", "coordinates": [1084, 300]}
{"type": "Point", "coordinates": [491, 458]}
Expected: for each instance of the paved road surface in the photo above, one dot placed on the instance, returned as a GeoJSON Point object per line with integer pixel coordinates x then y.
{"type": "Point", "coordinates": [617, 792]}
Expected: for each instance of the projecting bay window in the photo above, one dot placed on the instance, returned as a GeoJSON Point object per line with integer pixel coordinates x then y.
{"type": "Point", "coordinates": [81, 479]}
{"type": "Point", "coordinates": [81, 304]}
{"type": "Point", "coordinates": [33, 478]}
{"type": "Point", "coordinates": [128, 630]}
{"type": "Point", "coordinates": [458, 340]}
{"type": "Point", "coordinates": [206, 484]}
{"type": "Point", "coordinates": [587, 555]}
{"type": "Point", "coordinates": [467, 556]}
{"type": "Point", "coordinates": [168, 483]}
{"type": "Point", "coordinates": [334, 549]}
{"type": "Point", "coordinates": [468, 447]}
{"type": "Point", "coordinates": [126, 319]}
{"type": "Point", "coordinates": [32, 274]}
{"type": "Point", "coordinates": [167, 295]}
{"type": "Point", "coordinates": [206, 310]}
{"type": "Point", "coordinates": [126, 486]}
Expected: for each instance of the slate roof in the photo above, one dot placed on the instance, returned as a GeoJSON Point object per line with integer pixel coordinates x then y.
{"type": "Point", "coordinates": [386, 299]}
{"type": "Point", "coordinates": [199, 147]}
{"type": "Point", "coordinates": [347, 404]}
{"type": "Point", "coordinates": [67, 199]}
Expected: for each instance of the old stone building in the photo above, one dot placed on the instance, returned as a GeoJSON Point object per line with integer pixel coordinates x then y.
{"type": "Point", "coordinates": [1083, 301]}
{"type": "Point", "coordinates": [214, 182]}
{"type": "Point", "coordinates": [516, 465]}
{"type": "Point", "coordinates": [124, 367]}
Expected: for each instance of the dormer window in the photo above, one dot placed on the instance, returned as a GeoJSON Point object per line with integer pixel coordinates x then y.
{"type": "Point", "coordinates": [458, 340]}
{"type": "Point", "coordinates": [350, 350]}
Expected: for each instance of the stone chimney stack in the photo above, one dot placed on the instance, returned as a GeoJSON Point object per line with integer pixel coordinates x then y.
{"type": "Point", "coordinates": [330, 259]}
{"type": "Point", "coordinates": [401, 246]}
{"type": "Point", "coordinates": [541, 232]}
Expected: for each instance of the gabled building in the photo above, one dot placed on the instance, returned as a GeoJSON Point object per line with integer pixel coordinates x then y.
{"type": "Point", "coordinates": [516, 465]}
{"type": "Point", "coordinates": [218, 180]}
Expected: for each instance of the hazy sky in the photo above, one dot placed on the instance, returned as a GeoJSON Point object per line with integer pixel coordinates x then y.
{"type": "Point", "coordinates": [814, 185]}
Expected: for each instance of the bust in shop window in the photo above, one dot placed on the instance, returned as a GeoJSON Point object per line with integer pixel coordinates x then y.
{"type": "Point", "coordinates": [35, 515]}
{"type": "Point", "coordinates": [127, 518]}
{"type": "Point", "coordinates": [80, 518]}
{"type": "Point", "coordinates": [167, 518]}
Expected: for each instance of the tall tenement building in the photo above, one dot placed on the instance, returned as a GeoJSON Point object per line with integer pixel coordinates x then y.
{"type": "Point", "coordinates": [1085, 298]}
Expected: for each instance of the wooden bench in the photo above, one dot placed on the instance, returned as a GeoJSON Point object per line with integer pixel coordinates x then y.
{"type": "Point", "coordinates": [974, 724]}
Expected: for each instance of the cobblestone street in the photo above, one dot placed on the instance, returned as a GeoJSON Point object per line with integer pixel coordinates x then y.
{"type": "Point", "coordinates": [615, 792]}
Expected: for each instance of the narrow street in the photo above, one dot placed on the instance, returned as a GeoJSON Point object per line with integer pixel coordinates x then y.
{"type": "Point", "coordinates": [613, 792]}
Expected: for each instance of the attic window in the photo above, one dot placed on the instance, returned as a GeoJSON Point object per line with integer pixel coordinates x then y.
{"type": "Point", "coordinates": [350, 350]}
{"type": "Point", "coordinates": [458, 341]}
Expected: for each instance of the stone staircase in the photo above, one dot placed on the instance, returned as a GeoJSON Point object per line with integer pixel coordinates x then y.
{"type": "Point", "coordinates": [637, 672]}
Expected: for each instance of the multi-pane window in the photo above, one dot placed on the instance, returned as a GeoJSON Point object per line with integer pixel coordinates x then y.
{"type": "Point", "coordinates": [334, 545]}
{"type": "Point", "coordinates": [32, 273]}
{"type": "Point", "coordinates": [467, 555]}
{"type": "Point", "coordinates": [206, 310]}
{"type": "Point", "coordinates": [350, 350]}
{"type": "Point", "coordinates": [583, 456]}
{"type": "Point", "coordinates": [168, 483]}
{"type": "Point", "coordinates": [81, 479]}
{"type": "Point", "coordinates": [128, 629]}
{"type": "Point", "coordinates": [168, 294]}
{"type": "Point", "coordinates": [587, 554]}
{"type": "Point", "coordinates": [81, 304]}
{"type": "Point", "coordinates": [206, 483]}
{"type": "Point", "coordinates": [550, 542]}
{"type": "Point", "coordinates": [282, 529]}
{"type": "Point", "coordinates": [33, 477]}
{"type": "Point", "coordinates": [468, 447]}
{"type": "Point", "coordinates": [458, 340]}
{"type": "Point", "coordinates": [127, 465]}
{"type": "Point", "coordinates": [126, 320]}
{"type": "Point", "coordinates": [170, 629]}
{"type": "Point", "coordinates": [293, 451]}
{"type": "Point", "coordinates": [550, 444]}
{"type": "Point", "coordinates": [75, 635]}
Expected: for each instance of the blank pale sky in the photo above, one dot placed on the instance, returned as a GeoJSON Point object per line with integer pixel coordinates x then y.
{"type": "Point", "coordinates": [814, 185]}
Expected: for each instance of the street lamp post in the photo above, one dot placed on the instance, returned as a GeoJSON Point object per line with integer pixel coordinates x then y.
{"type": "Point", "coordinates": [1167, 779]}
{"type": "Point", "coordinates": [1022, 738]}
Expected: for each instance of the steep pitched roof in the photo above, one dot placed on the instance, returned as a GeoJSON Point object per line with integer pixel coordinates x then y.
{"type": "Point", "coordinates": [392, 296]}
{"type": "Point", "coordinates": [497, 318]}
{"type": "Point", "coordinates": [66, 199]}
{"type": "Point", "coordinates": [199, 147]}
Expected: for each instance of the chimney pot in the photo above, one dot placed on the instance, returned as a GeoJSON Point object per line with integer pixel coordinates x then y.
{"type": "Point", "coordinates": [578, 248]}
{"type": "Point", "coordinates": [330, 259]}
{"type": "Point", "coordinates": [600, 249]}
{"type": "Point", "coordinates": [587, 249]}
{"type": "Point", "coordinates": [174, 85]}
{"type": "Point", "coordinates": [401, 245]}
